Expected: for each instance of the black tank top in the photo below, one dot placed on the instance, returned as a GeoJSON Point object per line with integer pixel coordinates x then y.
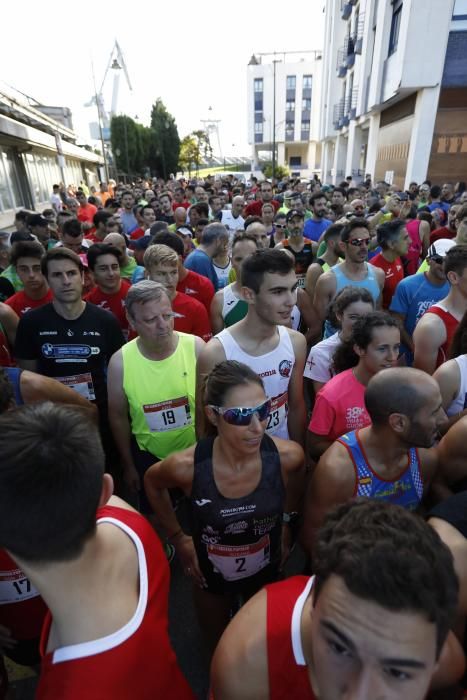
{"type": "Point", "coordinates": [237, 537]}
{"type": "Point", "coordinates": [303, 259]}
{"type": "Point", "coordinates": [454, 511]}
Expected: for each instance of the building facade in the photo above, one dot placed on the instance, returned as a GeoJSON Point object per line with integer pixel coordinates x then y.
{"type": "Point", "coordinates": [394, 97]}
{"type": "Point", "coordinates": [36, 152]}
{"type": "Point", "coordinates": [283, 107]}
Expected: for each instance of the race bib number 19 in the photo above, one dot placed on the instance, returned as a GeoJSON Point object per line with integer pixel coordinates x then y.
{"type": "Point", "coordinates": [168, 415]}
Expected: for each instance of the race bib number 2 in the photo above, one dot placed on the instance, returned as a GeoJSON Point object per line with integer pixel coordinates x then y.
{"type": "Point", "coordinates": [239, 562]}
{"type": "Point", "coordinates": [168, 415]}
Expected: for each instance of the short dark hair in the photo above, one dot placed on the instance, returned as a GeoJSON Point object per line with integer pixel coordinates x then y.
{"type": "Point", "coordinates": [101, 217]}
{"type": "Point", "coordinates": [202, 208]}
{"type": "Point", "coordinates": [356, 222]}
{"type": "Point", "coordinates": [243, 236]}
{"type": "Point", "coordinates": [60, 253]}
{"type": "Point", "coordinates": [171, 240]}
{"type": "Point", "coordinates": [456, 259]}
{"type": "Point", "coordinates": [157, 227]}
{"type": "Point", "coordinates": [26, 249]}
{"type": "Point", "coordinates": [51, 468]}
{"type": "Point", "coordinates": [393, 391]}
{"type": "Point", "coordinates": [462, 213]}
{"type": "Point", "coordinates": [111, 202]}
{"type": "Point", "coordinates": [345, 356]}
{"type": "Point", "coordinates": [22, 215]}
{"type": "Point", "coordinates": [383, 553]}
{"type": "Point", "coordinates": [262, 261]}
{"type": "Point", "coordinates": [435, 192]}
{"type": "Point", "coordinates": [333, 231]}
{"type": "Point", "coordinates": [342, 190]}
{"type": "Point", "coordinates": [97, 249]}
{"type": "Point", "coordinates": [72, 227]}
{"type": "Point", "coordinates": [127, 192]}
{"type": "Point", "coordinates": [389, 231]}
{"type": "Point", "coordinates": [317, 195]}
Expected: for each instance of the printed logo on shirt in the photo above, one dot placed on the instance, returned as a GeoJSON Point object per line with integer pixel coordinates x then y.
{"type": "Point", "coordinates": [232, 301]}
{"type": "Point", "coordinates": [189, 291]}
{"type": "Point", "coordinates": [62, 353]}
{"type": "Point", "coordinates": [203, 502]}
{"type": "Point", "coordinates": [285, 368]}
{"type": "Point", "coordinates": [48, 333]}
{"type": "Point", "coordinates": [268, 373]}
{"type": "Point", "coordinates": [235, 528]}
{"type": "Point", "coordinates": [353, 417]}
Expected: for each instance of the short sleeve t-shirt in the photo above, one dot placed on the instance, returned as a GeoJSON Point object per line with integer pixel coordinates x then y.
{"type": "Point", "coordinates": [191, 317]}
{"type": "Point", "coordinates": [198, 287]}
{"type": "Point", "coordinates": [76, 352]}
{"type": "Point", "coordinates": [339, 407]}
{"type": "Point", "coordinates": [319, 361]}
{"type": "Point", "coordinates": [200, 262]}
{"type": "Point", "coordinates": [314, 229]}
{"type": "Point", "coordinates": [394, 273]}
{"type": "Point", "coordinates": [21, 302]}
{"type": "Point", "coordinates": [413, 296]}
{"type": "Point", "coordinates": [115, 303]}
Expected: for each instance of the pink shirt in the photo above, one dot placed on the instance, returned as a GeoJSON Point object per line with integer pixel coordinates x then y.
{"type": "Point", "coordinates": [339, 407]}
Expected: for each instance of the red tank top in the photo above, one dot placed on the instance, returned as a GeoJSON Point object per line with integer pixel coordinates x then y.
{"type": "Point", "coordinates": [22, 609]}
{"type": "Point", "coordinates": [450, 323]}
{"type": "Point", "coordinates": [136, 661]}
{"type": "Point", "coordinates": [288, 672]}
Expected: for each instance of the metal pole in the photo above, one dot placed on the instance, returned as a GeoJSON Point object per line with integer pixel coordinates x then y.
{"type": "Point", "coordinates": [99, 119]}
{"type": "Point", "coordinates": [274, 123]}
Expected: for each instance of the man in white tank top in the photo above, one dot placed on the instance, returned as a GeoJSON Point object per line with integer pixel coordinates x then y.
{"type": "Point", "coordinates": [262, 341]}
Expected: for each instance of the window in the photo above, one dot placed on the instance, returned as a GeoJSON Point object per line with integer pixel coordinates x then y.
{"type": "Point", "coordinates": [259, 102]}
{"type": "Point", "coordinates": [291, 82]}
{"type": "Point", "coordinates": [258, 85]}
{"type": "Point", "coordinates": [307, 82]}
{"type": "Point", "coordinates": [395, 26]}
{"type": "Point", "coordinates": [305, 125]}
{"type": "Point", "coordinates": [306, 104]}
{"type": "Point", "coordinates": [259, 127]}
{"type": "Point", "coordinates": [295, 161]}
{"type": "Point", "coordinates": [289, 131]}
{"type": "Point", "coordinates": [290, 105]}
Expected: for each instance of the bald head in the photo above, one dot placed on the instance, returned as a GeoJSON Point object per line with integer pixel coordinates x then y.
{"type": "Point", "coordinates": [402, 390]}
{"type": "Point", "coordinates": [259, 231]}
{"type": "Point", "coordinates": [119, 242]}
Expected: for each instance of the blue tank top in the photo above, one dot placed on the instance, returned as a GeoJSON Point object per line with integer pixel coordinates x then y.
{"type": "Point", "coordinates": [405, 491]}
{"type": "Point", "coordinates": [369, 282]}
{"type": "Point", "coordinates": [14, 375]}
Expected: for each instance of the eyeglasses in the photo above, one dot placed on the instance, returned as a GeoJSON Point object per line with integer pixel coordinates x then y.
{"type": "Point", "coordinates": [360, 242]}
{"type": "Point", "coordinates": [437, 259]}
{"type": "Point", "coordinates": [243, 416]}
{"type": "Point", "coordinates": [280, 225]}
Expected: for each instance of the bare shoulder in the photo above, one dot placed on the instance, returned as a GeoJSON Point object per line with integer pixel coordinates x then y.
{"type": "Point", "coordinates": [118, 502]}
{"type": "Point", "coordinates": [239, 668]}
{"type": "Point", "coordinates": [298, 341]}
{"type": "Point", "coordinates": [326, 281]}
{"type": "Point", "coordinates": [428, 324]}
{"type": "Point", "coordinates": [210, 355]}
{"type": "Point", "coordinates": [173, 471]}
{"type": "Point", "coordinates": [336, 466]}
{"type": "Point", "coordinates": [379, 274]}
{"type": "Point", "coordinates": [291, 454]}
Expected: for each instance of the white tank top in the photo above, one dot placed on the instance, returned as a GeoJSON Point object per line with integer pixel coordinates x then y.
{"type": "Point", "coordinates": [274, 368]}
{"type": "Point", "coordinates": [230, 300]}
{"type": "Point", "coordinates": [460, 402]}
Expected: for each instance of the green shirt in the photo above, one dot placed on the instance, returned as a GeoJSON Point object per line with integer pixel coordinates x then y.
{"type": "Point", "coordinates": [128, 269]}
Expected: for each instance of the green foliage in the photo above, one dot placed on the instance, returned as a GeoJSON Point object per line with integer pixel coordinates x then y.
{"type": "Point", "coordinates": [194, 149]}
{"type": "Point", "coordinates": [281, 171]}
{"type": "Point", "coordinates": [137, 148]}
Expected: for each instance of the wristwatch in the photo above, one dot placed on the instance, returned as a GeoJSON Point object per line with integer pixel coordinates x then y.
{"type": "Point", "coordinates": [289, 517]}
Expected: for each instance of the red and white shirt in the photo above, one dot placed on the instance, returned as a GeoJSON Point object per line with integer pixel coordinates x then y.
{"type": "Point", "coordinates": [21, 302]}
{"type": "Point", "coordinates": [115, 303]}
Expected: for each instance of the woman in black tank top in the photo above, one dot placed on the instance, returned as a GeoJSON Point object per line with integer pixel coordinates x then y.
{"type": "Point", "coordinates": [239, 483]}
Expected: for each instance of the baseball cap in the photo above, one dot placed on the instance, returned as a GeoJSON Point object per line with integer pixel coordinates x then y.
{"type": "Point", "coordinates": [185, 231]}
{"type": "Point", "coordinates": [142, 243]}
{"type": "Point", "coordinates": [37, 220]}
{"type": "Point", "coordinates": [18, 236]}
{"type": "Point", "coordinates": [292, 213]}
{"type": "Point", "coordinates": [440, 247]}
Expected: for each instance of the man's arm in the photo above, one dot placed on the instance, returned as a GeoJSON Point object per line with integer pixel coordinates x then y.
{"type": "Point", "coordinates": [36, 387]}
{"type": "Point", "coordinates": [9, 321]}
{"type": "Point", "coordinates": [380, 278]}
{"type": "Point", "coordinates": [239, 669]}
{"type": "Point", "coordinates": [429, 335]}
{"type": "Point", "coordinates": [325, 291]}
{"type": "Point", "coordinates": [313, 274]}
{"type": "Point", "coordinates": [119, 421]}
{"type": "Point", "coordinates": [452, 455]}
{"type": "Point", "coordinates": [405, 337]}
{"type": "Point", "coordinates": [210, 356]}
{"type": "Point", "coordinates": [333, 482]}
{"type": "Point", "coordinates": [297, 411]}
{"type": "Point", "coordinates": [217, 322]}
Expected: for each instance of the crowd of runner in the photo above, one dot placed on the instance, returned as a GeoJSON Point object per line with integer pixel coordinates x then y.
{"type": "Point", "coordinates": [225, 372]}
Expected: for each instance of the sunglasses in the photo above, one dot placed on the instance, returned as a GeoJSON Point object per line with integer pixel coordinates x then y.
{"type": "Point", "coordinates": [280, 225]}
{"type": "Point", "coordinates": [437, 259]}
{"type": "Point", "coordinates": [360, 242]}
{"type": "Point", "coordinates": [243, 416]}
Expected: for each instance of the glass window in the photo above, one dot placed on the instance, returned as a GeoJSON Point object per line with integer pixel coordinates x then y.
{"type": "Point", "coordinates": [259, 128]}
{"type": "Point", "coordinates": [290, 105]}
{"type": "Point", "coordinates": [291, 82]}
{"type": "Point", "coordinates": [259, 103]}
{"type": "Point", "coordinates": [258, 85]}
{"type": "Point", "coordinates": [307, 81]}
{"type": "Point", "coordinates": [305, 125]}
{"type": "Point", "coordinates": [395, 26]}
{"type": "Point", "coordinates": [12, 178]}
{"type": "Point", "coordinates": [306, 104]}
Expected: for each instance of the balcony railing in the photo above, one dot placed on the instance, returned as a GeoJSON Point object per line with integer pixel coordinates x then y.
{"type": "Point", "coordinates": [359, 38]}
{"type": "Point", "coordinates": [346, 9]}
{"type": "Point", "coordinates": [351, 104]}
{"type": "Point", "coordinates": [338, 114]}
{"type": "Point", "coordinates": [341, 66]}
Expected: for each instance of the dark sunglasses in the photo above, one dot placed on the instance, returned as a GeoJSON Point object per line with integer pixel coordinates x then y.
{"type": "Point", "coordinates": [437, 259]}
{"type": "Point", "coordinates": [360, 242]}
{"type": "Point", "coordinates": [280, 225]}
{"type": "Point", "coordinates": [243, 416]}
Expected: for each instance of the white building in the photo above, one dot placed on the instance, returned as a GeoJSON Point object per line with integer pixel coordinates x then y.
{"type": "Point", "coordinates": [294, 87]}
{"type": "Point", "coordinates": [394, 95]}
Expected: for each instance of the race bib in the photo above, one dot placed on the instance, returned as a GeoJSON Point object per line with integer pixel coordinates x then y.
{"type": "Point", "coordinates": [81, 383]}
{"type": "Point", "coordinates": [278, 414]}
{"type": "Point", "coordinates": [15, 587]}
{"type": "Point", "coordinates": [239, 562]}
{"type": "Point", "coordinates": [168, 415]}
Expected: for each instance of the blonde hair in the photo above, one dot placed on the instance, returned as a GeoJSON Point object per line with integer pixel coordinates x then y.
{"type": "Point", "coordinates": [159, 254]}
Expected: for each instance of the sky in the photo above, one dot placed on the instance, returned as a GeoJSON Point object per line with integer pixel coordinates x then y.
{"type": "Point", "coordinates": [192, 55]}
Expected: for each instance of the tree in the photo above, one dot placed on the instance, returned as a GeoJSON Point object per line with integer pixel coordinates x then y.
{"type": "Point", "coordinates": [194, 148]}
{"type": "Point", "coordinates": [165, 143]}
{"type": "Point", "coordinates": [281, 171]}
{"type": "Point", "coordinates": [125, 142]}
